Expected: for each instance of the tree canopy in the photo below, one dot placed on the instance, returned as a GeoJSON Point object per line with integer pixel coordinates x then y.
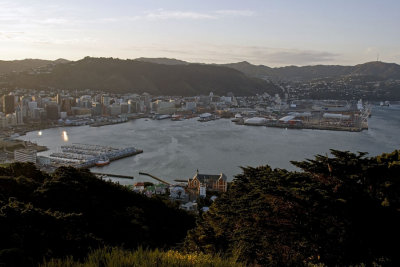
{"type": "Point", "coordinates": [338, 210]}
{"type": "Point", "coordinates": [71, 212]}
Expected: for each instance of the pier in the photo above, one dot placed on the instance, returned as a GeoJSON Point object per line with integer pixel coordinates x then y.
{"type": "Point", "coordinates": [113, 175]}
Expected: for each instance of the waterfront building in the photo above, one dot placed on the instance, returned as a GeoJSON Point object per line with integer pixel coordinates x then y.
{"type": "Point", "coordinates": [163, 107]}
{"type": "Point", "coordinates": [25, 155]}
{"type": "Point", "coordinates": [134, 106]}
{"type": "Point", "coordinates": [124, 108]}
{"type": "Point", "coordinates": [191, 106]}
{"type": "Point", "coordinates": [115, 109]}
{"type": "Point", "coordinates": [105, 100]}
{"type": "Point", "coordinates": [97, 109]}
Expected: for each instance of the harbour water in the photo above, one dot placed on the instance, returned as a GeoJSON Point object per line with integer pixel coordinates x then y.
{"type": "Point", "coordinates": [176, 149]}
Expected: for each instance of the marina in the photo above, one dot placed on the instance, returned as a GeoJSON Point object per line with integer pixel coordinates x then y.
{"type": "Point", "coordinates": [88, 155]}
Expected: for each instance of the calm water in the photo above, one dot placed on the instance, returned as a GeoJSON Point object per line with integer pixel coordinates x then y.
{"type": "Point", "coordinates": [174, 150]}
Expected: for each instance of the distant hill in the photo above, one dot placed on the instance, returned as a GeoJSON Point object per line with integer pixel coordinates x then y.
{"type": "Point", "coordinates": [122, 76]}
{"type": "Point", "coordinates": [163, 60]}
{"type": "Point", "coordinates": [26, 64]}
{"type": "Point", "coordinates": [377, 69]}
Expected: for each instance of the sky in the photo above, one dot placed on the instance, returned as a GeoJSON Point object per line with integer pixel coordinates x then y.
{"type": "Point", "coordinates": [269, 32]}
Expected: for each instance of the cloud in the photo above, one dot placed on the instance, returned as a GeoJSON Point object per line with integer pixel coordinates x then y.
{"type": "Point", "coordinates": [300, 57]}
{"type": "Point", "coordinates": [11, 35]}
{"type": "Point", "coordinates": [176, 14]}
{"type": "Point", "coordinates": [235, 13]}
{"type": "Point", "coordinates": [168, 14]}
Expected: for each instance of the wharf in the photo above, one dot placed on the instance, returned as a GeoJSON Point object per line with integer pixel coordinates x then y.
{"type": "Point", "coordinates": [86, 156]}
{"type": "Point", "coordinates": [113, 175]}
{"type": "Point", "coordinates": [318, 127]}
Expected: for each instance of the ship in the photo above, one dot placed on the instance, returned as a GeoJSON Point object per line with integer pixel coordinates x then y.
{"type": "Point", "coordinates": [102, 162]}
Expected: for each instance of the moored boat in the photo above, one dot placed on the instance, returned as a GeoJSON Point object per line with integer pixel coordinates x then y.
{"type": "Point", "coordinates": [102, 162]}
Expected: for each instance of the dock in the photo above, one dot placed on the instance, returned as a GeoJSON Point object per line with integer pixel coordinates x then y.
{"type": "Point", "coordinates": [86, 155]}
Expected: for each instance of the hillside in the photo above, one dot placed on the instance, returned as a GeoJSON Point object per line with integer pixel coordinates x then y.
{"type": "Point", "coordinates": [379, 70]}
{"type": "Point", "coordinates": [165, 61]}
{"type": "Point", "coordinates": [123, 76]}
{"type": "Point", "coordinates": [71, 212]}
{"type": "Point", "coordinates": [26, 64]}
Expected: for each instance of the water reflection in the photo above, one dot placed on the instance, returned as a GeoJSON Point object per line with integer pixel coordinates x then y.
{"type": "Point", "coordinates": [40, 133]}
{"type": "Point", "coordinates": [65, 136]}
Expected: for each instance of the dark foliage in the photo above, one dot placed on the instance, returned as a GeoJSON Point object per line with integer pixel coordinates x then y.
{"type": "Point", "coordinates": [341, 210]}
{"type": "Point", "coordinates": [72, 211]}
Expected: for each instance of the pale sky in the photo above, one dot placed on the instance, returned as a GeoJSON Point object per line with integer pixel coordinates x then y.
{"type": "Point", "coordinates": [273, 33]}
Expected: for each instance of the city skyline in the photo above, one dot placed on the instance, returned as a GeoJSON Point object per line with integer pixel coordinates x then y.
{"type": "Point", "coordinates": [262, 32]}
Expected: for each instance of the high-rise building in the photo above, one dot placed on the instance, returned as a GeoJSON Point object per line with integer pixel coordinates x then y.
{"type": "Point", "coordinates": [8, 104]}
{"type": "Point", "coordinates": [19, 115]}
{"type": "Point", "coordinates": [105, 100]}
{"type": "Point", "coordinates": [52, 111]}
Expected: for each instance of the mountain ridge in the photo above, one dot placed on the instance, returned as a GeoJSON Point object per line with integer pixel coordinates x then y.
{"type": "Point", "coordinates": [132, 76]}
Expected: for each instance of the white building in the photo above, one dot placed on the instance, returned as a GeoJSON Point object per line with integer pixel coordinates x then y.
{"type": "Point", "coordinates": [25, 155]}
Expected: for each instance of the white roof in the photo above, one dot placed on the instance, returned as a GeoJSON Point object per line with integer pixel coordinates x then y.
{"type": "Point", "coordinates": [287, 118]}
{"type": "Point", "coordinates": [205, 115]}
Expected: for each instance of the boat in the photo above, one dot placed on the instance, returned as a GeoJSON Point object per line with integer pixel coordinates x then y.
{"type": "Point", "coordinates": [176, 118]}
{"type": "Point", "coordinates": [385, 104]}
{"type": "Point", "coordinates": [102, 162]}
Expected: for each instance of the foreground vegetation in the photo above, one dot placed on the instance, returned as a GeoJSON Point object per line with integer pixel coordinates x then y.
{"type": "Point", "coordinates": [342, 211]}
{"type": "Point", "coordinates": [338, 211]}
{"type": "Point", "coordinates": [71, 212]}
{"type": "Point", "coordinates": [144, 258]}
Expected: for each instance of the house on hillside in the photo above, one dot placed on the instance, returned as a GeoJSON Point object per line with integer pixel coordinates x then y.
{"type": "Point", "coordinates": [138, 187]}
{"type": "Point", "coordinates": [210, 182]}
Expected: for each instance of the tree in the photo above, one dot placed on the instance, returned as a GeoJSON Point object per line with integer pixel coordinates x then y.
{"type": "Point", "coordinates": [340, 210]}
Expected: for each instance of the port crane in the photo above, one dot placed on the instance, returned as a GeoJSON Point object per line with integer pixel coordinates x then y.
{"type": "Point", "coordinates": [155, 178]}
